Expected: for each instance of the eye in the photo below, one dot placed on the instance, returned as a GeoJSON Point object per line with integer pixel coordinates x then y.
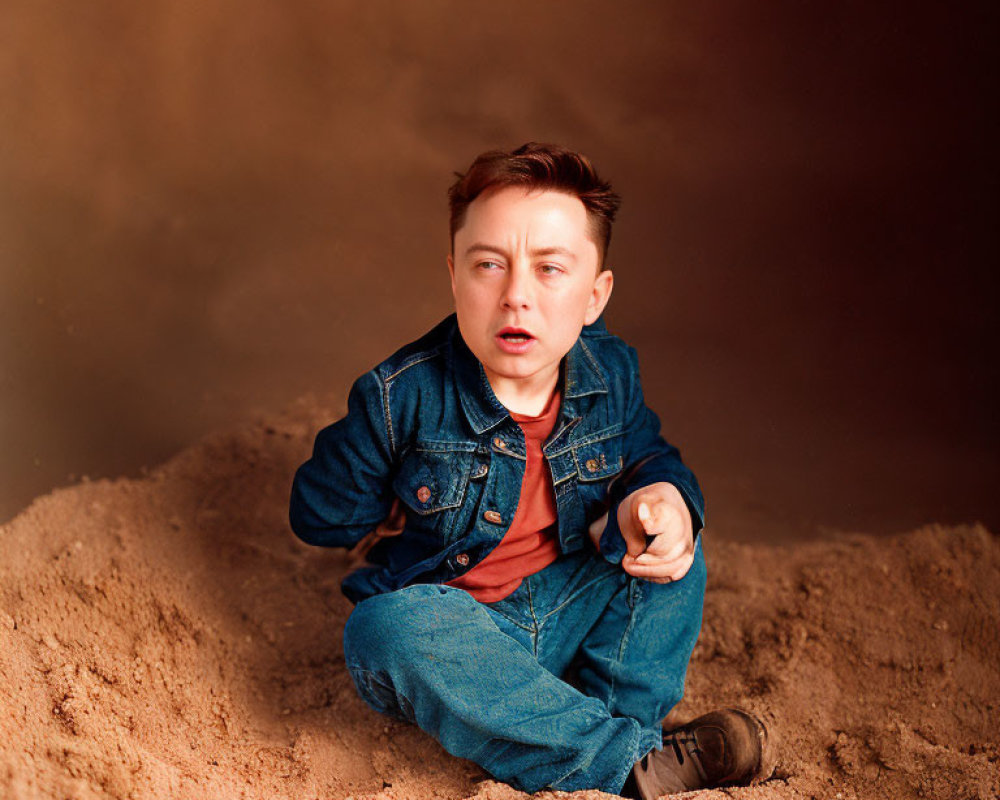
{"type": "Point", "coordinates": [488, 266]}
{"type": "Point", "coordinates": [549, 269]}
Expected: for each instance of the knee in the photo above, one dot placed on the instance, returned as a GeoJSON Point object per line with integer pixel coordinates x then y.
{"type": "Point", "coordinates": [389, 626]}
{"type": "Point", "coordinates": [676, 606]}
{"type": "Point", "coordinates": [373, 627]}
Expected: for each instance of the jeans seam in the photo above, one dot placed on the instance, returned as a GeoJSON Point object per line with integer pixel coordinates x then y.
{"type": "Point", "coordinates": [621, 779]}
{"type": "Point", "coordinates": [513, 621]}
{"type": "Point", "coordinates": [636, 587]}
{"type": "Point", "coordinates": [577, 592]}
{"type": "Point", "coordinates": [534, 619]}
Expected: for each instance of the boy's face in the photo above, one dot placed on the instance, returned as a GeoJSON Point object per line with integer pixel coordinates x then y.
{"type": "Point", "coordinates": [524, 263]}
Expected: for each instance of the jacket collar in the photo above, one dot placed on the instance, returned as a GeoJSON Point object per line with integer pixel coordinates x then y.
{"type": "Point", "coordinates": [581, 377]}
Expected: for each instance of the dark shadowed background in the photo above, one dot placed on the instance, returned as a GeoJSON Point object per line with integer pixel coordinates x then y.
{"type": "Point", "coordinates": [208, 209]}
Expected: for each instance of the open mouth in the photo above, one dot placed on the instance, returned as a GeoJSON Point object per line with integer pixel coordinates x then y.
{"type": "Point", "coordinates": [515, 341]}
{"type": "Point", "coordinates": [515, 335]}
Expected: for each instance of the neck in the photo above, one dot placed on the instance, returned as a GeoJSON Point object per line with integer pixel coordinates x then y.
{"type": "Point", "coordinates": [526, 396]}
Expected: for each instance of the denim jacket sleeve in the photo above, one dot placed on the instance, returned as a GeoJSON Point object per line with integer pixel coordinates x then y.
{"type": "Point", "coordinates": [344, 490]}
{"type": "Point", "coordinates": [648, 459]}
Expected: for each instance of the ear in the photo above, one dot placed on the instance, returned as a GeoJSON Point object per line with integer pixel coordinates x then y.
{"type": "Point", "coordinates": [451, 273]}
{"type": "Point", "coordinates": [599, 296]}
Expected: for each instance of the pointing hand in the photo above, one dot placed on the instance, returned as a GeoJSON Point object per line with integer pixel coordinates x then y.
{"type": "Point", "coordinates": [658, 532]}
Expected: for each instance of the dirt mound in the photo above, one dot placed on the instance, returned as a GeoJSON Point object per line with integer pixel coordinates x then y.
{"type": "Point", "coordinates": [169, 637]}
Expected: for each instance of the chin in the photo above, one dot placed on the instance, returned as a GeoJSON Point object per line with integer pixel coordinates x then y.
{"type": "Point", "coordinates": [507, 370]}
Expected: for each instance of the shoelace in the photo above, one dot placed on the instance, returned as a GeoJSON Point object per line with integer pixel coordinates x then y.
{"type": "Point", "coordinates": [686, 743]}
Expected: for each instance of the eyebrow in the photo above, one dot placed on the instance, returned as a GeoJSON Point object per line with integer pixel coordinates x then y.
{"type": "Point", "coordinates": [481, 247]}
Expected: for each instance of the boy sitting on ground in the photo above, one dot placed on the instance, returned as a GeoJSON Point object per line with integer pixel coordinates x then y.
{"type": "Point", "coordinates": [521, 513]}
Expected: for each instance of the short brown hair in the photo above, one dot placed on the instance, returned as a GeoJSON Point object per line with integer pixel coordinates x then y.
{"type": "Point", "coordinates": [539, 166]}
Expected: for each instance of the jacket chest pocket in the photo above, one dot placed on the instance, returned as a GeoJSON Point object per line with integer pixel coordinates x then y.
{"type": "Point", "coordinates": [432, 484]}
{"type": "Point", "coordinates": [597, 464]}
{"type": "Point", "coordinates": [598, 461]}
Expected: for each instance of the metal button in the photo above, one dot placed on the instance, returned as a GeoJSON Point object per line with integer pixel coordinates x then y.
{"type": "Point", "coordinates": [493, 516]}
{"type": "Point", "coordinates": [591, 464]}
{"type": "Point", "coordinates": [499, 443]}
{"type": "Point", "coordinates": [481, 470]}
{"type": "Point", "coordinates": [462, 559]}
{"type": "Point", "coordinates": [423, 494]}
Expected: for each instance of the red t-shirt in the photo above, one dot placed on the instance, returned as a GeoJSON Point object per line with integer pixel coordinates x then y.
{"type": "Point", "coordinates": [532, 542]}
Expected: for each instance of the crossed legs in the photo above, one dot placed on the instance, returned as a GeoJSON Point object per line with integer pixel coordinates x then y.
{"type": "Point", "coordinates": [486, 680]}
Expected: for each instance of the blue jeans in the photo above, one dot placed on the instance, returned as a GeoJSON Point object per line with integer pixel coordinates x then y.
{"type": "Point", "coordinates": [487, 679]}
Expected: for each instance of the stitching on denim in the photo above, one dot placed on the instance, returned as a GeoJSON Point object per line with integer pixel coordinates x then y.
{"type": "Point", "coordinates": [623, 776]}
{"type": "Point", "coordinates": [508, 452]}
{"type": "Point", "coordinates": [611, 470]}
{"type": "Point", "coordinates": [441, 446]}
{"type": "Point", "coordinates": [534, 619]}
{"type": "Point", "coordinates": [592, 438]}
{"type": "Point", "coordinates": [571, 387]}
{"type": "Point", "coordinates": [561, 430]}
{"type": "Point", "coordinates": [406, 472]}
{"type": "Point", "coordinates": [619, 777]}
{"type": "Point", "coordinates": [383, 389]}
{"type": "Point", "coordinates": [413, 360]}
{"type": "Point", "coordinates": [487, 393]}
{"type": "Point", "coordinates": [576, 592]}
{"type": "Point", "coordinates": [562, 481]}
{"type": "Point", "coordinates": [511, 620]}
{"type": "Point", "coordinates": [637, 585]}
{"type": "Point", "coordinates": [594, 364]}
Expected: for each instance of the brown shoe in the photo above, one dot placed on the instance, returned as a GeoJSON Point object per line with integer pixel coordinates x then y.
{"type": "Point", "coordinates": [727, 747]}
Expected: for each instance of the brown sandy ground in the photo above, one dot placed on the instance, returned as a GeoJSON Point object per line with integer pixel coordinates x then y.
{"type": "Point", "coordinates": [169, 638]}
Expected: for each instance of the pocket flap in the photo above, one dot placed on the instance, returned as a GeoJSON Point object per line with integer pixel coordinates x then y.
{"type": "Point", "coordinates": [430, 481]}
{"type": "Point", "coordinates": [598, 461]}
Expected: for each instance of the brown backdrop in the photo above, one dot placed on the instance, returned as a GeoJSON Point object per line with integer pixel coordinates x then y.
{"type": "Point", "coordinates": [208, 209]}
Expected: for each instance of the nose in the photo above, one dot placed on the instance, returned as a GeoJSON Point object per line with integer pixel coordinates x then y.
{"type": "Point", "coordinates": [517, 292]}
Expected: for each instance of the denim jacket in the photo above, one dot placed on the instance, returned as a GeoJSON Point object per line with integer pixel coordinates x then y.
{"type": "Point", "coordinates": [425, 426]}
